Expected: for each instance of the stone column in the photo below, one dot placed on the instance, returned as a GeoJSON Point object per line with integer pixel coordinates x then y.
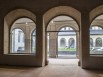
{"type": "Point", "coordinates": [84, 39]}
{"type": "Point", "coordinates": [40, 40]}
{"type": "Point", "coordinates": [94, 41]}
{"type": "Point", "coordinates": [7, 47]}
{"type": "Point", "coordinates": [52, 45]}
{"type": "Point", "coordinates": [77, 44]}
{"type": "Point", "coordinates": [27, 39]}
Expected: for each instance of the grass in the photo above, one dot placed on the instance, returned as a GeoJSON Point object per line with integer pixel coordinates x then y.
{"type": "Point", "coordinates": [61, 49]}
{"type": "Point", "coordinates": [66, 49]}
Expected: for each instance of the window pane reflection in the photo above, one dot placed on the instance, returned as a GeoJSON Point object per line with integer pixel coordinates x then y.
{"type": "Point", "coordinates": [18, 41]}
{"type": "Point", "coordinates": [96, 35]}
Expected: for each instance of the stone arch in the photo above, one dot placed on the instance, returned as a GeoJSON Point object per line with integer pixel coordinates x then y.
{"type": "Point", "coordinates": [22, 26]}
{"type": "Point", "coordinates": [59, 11]}
{"type": "Point", "coordinates": [96, 12]}
{"type": "Point", "coordinates": [9, 19]}
{"type": "Point", "coordinates": [97, 21]}
{"type": "Point", "coordinates": [68, 25]}
{"type": "Point", "coordinates": [72, 23]}
{"type": "Point", "coordinates": [62, 10]}
{"type": "Point", "coordinates": [18, 13]}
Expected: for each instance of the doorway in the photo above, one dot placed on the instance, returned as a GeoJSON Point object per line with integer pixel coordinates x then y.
{"type": "Point", "coordinates": [62, 40]}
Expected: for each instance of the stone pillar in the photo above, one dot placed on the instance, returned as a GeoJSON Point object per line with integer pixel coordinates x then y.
{"type": "Point", "coordinates": [40, 40]}
{"type": "Point", "coordinates": [7, 47]}
{"type": "Point", "coordinates": [27, 39]}
{"type": "Point", "coordinates": [46, 48]}
{"type": "Point", "coordinates": [84, 39]}
{"type": "Point", "coordinates": [53, 45]}
{"type": "Point", "coordinates": [94, 41]}
{"type": "Point", "coordinates": [77, 44]}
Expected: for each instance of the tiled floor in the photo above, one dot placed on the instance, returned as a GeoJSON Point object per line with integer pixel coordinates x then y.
{"type": "Point", "coordinates": [60, 61]}
{"type": "Point", "coordinates": [56, 68]}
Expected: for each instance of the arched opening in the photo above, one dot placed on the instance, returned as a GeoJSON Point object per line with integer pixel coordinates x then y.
{"type": "Point", "coordinates": [47, 21]}
{"type": "Point", "coordinates": [23, 22]}
{"type": "Point", "coordinates": [20, 35]}
{"type": "Point", "coordinates": [68, 50]}
{"type": "Point", "coordinates": [18, 43]}
{"type": "Point", "coordinates": [21, 39]}
{"type": "Point", "coordinates": [96, 34]}
{"type": "Point", "coordinates": [18, 21]}
{"type": "Point", "coordinates": [62, 39]}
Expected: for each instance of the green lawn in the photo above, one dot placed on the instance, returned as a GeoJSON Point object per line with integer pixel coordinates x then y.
{"type": "Point", "coordinates": [61, 49]}
{"type": "Point", "coordinates": [66, 49]}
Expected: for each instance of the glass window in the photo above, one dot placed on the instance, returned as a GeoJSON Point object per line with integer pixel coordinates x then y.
{"type": "Point", "coordinates": [96, 34]}
{"type": "Point", "coordinates": [20, 33]}
{"type": "Point", "coordinates": [17, 44]}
